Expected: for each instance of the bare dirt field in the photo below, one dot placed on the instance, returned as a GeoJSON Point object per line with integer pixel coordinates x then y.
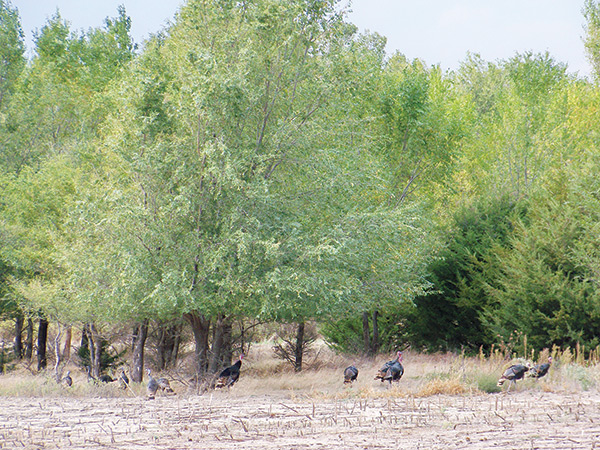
{"type": "Point", "coordinates": [238, 420]}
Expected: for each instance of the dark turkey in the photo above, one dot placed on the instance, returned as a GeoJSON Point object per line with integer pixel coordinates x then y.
{"type": "Point", "coordinates": [67, 380]}
{"type": "Point", "coordinates": [106, 378]}
{"type": "Point", "coordinates": [350, 374]}
{"type": "Point", "coordinates": [157, 384]}
{"type": "Point", "coordinates": [540, 370]}
{"type": "Point", "coordinates": [123, 379]}
{"type": "Point", "coordinates": [152, 387]}
{"type": "Point", "coordinates": [512, 374]}
{"type": "Point", "coordinates": [229, 375]}
{"type": "Point", "coordinates": [164, 385]}
{"type": "Point", "coordinates": [391, 370]}
{"type": "Point", "coordinates": [90, 377]}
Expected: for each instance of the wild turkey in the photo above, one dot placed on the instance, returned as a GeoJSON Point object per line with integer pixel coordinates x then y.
{"type": "Point", "coordinates": [164, 385]}
{"type": "Point", "coordinates": [350, 374]}
{"type": "Point", "coordinates": [152, 387]}
{"type": "Point", "coordinates": [229, 375]}
{"type": "Point", "coordinates": [102, 378]}
{"type": "Point", "coordinates": [391, 370]}
{"type": "Point", "coordinates": [512, 374]}
{"type": "Point", "coordinates": [67, 380]}
{"type": "Point", "coordinates": [106, 378]}
{"type": "Point", "coordinates": [540, 370]}
{"type": "Point", "coordinates": [123, 379]}
{"type": "Point", "coordinates": [90, 377]}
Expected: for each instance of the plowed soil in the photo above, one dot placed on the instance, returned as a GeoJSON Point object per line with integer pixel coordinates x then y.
{"type": "Point", "coordinates": [235, 420]}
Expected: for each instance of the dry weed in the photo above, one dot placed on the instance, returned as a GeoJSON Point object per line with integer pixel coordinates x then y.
{"type": "Point", "coordinates": [452, 386]}
{"type": "Point", "coordinates": [425, 375]}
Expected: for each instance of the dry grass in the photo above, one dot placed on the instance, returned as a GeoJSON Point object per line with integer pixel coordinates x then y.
{"type": "Point", "coordinates": [262, 374]}
{"type": "Point", "coordinates": [22, 383]}
{"type": "Point", "coordinates": [440, 403]}
{"type": "Point", "coordinates": [450, 387]}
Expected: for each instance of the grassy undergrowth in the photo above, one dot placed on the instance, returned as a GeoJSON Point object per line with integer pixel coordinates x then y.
{"type": "Point", "coordinates": [262, 374]}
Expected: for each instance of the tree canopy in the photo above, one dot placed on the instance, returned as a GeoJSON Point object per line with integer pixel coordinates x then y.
{"type": "Point", "coordinates": [262, 160]}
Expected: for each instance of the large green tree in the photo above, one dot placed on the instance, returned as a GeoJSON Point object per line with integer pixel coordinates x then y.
{"type": "Point", "coordinates": [50, 123]}
{"type": "Point", "coordinates": [236, 189]}
{"type": "Point", "coordinates": [518, 134]}
{"type": "Point", "coordinates": [12, 50]}
{"type": "Point", "coordinates": [591, 13]}
{"type": "Point", "coordinates": [547, 284]}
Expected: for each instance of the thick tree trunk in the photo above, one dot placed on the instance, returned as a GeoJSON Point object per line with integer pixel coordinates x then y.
{"type": "Point", "coordinates": [162, 347]}
{"type": "Point", "coordinates": [200, 327]}
{"type": "Point", "coordinates": [221, 345]}
{"type": "Point", "coordinates": [375, 341]}
{"type": "Point", "coordinates": [133, 338]}
{"type": "Point", "coordinates": [2, 357]}
{"type": "Point", "coordinates": [86, 343]}
{"type": "Point", "coordinates": [137, 359]}
{"type": "Point", "coordinates": [66, 353]}
{"type": "Point", "coordinates": [85, 331]}
{"type": "Point", "coordinates": [299, 350]}
{"type": "Point", "coordinates": [41, 344]}
{"type": "Point", "coordinates": [18, 349]}
{"type": "Point", "coordinates": [28, 353]}
{"type": "Point", "coordinates": [172, 360]}
{"type": "Point", "coordinates": [168, 345]}
{"type": "Point", "coordinates": [95, 344]}
{"type": "Point", "coordinates": [85, 347]}
{"type": "Point", "coordinates": [366, 343]}
{"type": "Point", "coordinates": [227, 353]}
{"type": "Point", "coordinates": [58, 355]}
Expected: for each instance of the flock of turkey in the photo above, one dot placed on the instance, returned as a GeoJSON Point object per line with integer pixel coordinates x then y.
{"type": "Point", "coordinates": [226, 378]}
{"type": "Point", "coordinates": [390, 371]}
{"type": "Point", "coordinates": [518, 371]}
{"type": "Point", "coordinates": [393, 371]}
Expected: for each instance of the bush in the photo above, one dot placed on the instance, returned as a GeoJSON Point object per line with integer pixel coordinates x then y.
{"type": "Point", "coordinates": [487, 383]}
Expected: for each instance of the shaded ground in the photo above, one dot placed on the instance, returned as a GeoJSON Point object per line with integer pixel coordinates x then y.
{"type": "Point", "coordinates": [221, 420]}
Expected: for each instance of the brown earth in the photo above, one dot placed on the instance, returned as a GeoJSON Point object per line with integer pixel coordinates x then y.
{"type": "Point", "coordinates": [238, 420]}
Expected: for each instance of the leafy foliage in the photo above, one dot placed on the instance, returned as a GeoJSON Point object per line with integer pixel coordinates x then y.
{"type": "Point", "coordinates": [260, 160]}
{"type": "Point", "coordinates": [591, 12]}
{"type": "Point", "coordinates": [12, 50]}
{"type": "Point", "coordinates": [449, 317]}
{"type": "Point", "coordinates": [546, 287]}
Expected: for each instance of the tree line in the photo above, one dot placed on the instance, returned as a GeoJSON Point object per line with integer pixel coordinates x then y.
{"type": "Point", "coordinates": [263, 162]}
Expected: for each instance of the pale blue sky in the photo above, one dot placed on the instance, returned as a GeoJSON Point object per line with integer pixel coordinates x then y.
{"type": "Point", "coordinates": [437, 31]}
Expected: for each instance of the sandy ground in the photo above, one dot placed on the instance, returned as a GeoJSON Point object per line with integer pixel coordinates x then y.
{"type": "Point", "coordinates": [234, 420]}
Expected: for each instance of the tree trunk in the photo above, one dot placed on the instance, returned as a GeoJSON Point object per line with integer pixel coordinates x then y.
{"type": "Point", "coordinates": [299, 350]}
{"type": "Point", "coordinates": [86, 343]}
{"type": "Point", "coordinates": [162, 346]}
{"type": "Point", "coordinates": [375, 341]}
{"type": "Point", "coordinates": [227, 353]}
{"type": "Point", "coordinates": [18, 337]}
{"type": "Point", "coordinates": [57, 355]}
{"type": "Point", "coordinates": [66, 353]}
{"type": "Point", "coordinates": [41, 344]}
{"type": "Point", "coordinates": [28, 353]}
{"type": "Point", "coordinates": [95, 343]}
{"type": "Point", "coordinates": [365, 322]}
{"type": "Point", "coordinates": [86, 348]}
{"type": "Point", "coordinates": [242, 337]}
{"type": "Point", "coordinates": [168, 345]}
{"type": "Point", "coordinates": [200, 327]}
{"type": "Point", "coordinates": [216, 359]}
{"type": "Point", "coordinates": [172, 360]}
{"type": "Point", "coordinates": [2, 358]}
{"type": "Point", "coordinates": [137, 359]}
{"type": "Point", "coordinates": [84, 336]}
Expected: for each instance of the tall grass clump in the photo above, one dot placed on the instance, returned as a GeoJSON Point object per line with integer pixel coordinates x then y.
{"type": "Point", "coordinates": [487, 382]}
